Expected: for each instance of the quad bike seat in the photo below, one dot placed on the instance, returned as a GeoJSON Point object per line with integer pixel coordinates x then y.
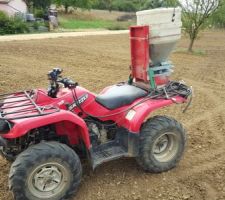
{"type": "Point", "coordinates": [120, 95]}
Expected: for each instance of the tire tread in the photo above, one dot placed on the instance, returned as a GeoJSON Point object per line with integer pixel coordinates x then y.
{"type": "Point", "coordinates": [149, 130]}
{"type": "Point", "coordinates": [36, 153]}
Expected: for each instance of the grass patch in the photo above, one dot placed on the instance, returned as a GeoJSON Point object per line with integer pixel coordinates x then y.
{"type": "Point", "coordinates": [120, 26]}
{"type": "Point", "coordinates": [197, 52]}
{"type": "Point", "coordinates": [84, 24]}
{"type": "Point", "coordinates": [78, 22]}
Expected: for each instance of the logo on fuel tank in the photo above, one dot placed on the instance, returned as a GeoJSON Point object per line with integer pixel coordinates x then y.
{"type": "Point", "coordinates": [81, 100]}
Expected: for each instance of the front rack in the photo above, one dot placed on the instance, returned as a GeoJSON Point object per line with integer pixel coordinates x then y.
{"type": "Point", "coordinates": [20, 105]}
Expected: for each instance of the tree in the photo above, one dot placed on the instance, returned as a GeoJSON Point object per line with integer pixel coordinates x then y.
{"type": "Point", "coordinates": [121, 5]}
{"type": "Point", "coordinates": [150, 4]}
{"type": "Point", "coordinates": [108, 4]}
{"type": "Point", "coordinates": [217, 19]}
{"type": "Point", "coordinates": [125, 5]}
{"type": "Point", "coordinates": [40, 4]}
{"type": "Point", "coordinates": [29, 4]}
{"type": "Point", "coordinates": [195, 15]}
{"type": "Point", "coordinates": [74, 4]}
{"type": "Point", "coordinates": [104, 4]}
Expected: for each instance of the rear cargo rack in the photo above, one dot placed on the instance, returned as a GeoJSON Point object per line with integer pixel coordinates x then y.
{"type": "Point", "coordinates": [20, 105]}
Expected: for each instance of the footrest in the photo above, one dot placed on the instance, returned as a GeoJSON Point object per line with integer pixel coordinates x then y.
{"type": "Point", "coordinates": [107, 152]}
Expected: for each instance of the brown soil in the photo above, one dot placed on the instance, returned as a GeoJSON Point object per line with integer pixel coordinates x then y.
{"type": "Point", "coordinates": [98, 61]}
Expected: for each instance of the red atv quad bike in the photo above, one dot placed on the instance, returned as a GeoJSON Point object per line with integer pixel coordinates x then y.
{"type": "Point", "coordinates": [45, 132]}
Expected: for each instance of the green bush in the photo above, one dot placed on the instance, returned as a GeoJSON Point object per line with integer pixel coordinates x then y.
{"type": "Point", "coordinates": [35, 25]}
{"type": "Point", "coordinates": [39, 13]}
{"type": "Point", "coordinates": [4, 21]}
{"type": "Point", "coordinates": [127, 6]}
{"type": "Point", "coordinates": [12, 25]}
{"type": "Point", "coordinates": [217, 19]}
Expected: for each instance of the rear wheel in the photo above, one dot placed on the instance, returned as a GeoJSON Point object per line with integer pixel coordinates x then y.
{"type": "Point", "coordinates": [48, 170]}
{"type": "Point", "coordinates": [162, 144]}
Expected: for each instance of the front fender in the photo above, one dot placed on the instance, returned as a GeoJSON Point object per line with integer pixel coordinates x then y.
{"type": "Point", "coordinates": [141, 112]}
{"type": "Point", "coordinates": [23, 126]}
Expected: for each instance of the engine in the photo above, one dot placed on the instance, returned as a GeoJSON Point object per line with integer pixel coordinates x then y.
{"type": "Point", "coordinates": [101, 133]}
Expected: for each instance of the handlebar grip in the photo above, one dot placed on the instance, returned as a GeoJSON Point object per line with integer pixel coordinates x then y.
{"type": "Point", "coordinates": [68, 83]}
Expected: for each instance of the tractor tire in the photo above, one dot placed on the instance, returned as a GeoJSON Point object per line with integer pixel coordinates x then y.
{"type": "Point", "coordinates": [162, 143]}
{"type": "Point", "coordinates": [46, 171]}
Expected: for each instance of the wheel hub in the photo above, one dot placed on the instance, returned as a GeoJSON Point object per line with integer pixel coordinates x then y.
{"type": "Point", "coordinates": [161, 145]}
{"type": "Point", "coordinates": [166, 147]}
{"type": "Point", "coordinates": [48, 180]}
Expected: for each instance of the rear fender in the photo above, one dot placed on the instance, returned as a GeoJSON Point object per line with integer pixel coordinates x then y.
{"type": "Point", "coordinates": [66, 123]}
{"type": "Point", "coordinates": [136, 117]}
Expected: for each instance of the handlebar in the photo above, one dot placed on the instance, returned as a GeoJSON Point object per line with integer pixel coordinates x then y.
{"type": "Point", "coordinates": [67, 83]}
{"type": "Point", "coordinates": [55, 78]}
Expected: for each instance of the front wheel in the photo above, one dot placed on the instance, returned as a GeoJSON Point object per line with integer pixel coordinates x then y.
{"type": "Point", "coordinates": [46, 171]}
{"type": "Point", "coordinates": [162, 143]}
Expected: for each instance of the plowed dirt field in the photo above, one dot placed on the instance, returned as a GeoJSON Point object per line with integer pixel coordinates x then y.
{"type": "Point", "coordinates": [98, 61]}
